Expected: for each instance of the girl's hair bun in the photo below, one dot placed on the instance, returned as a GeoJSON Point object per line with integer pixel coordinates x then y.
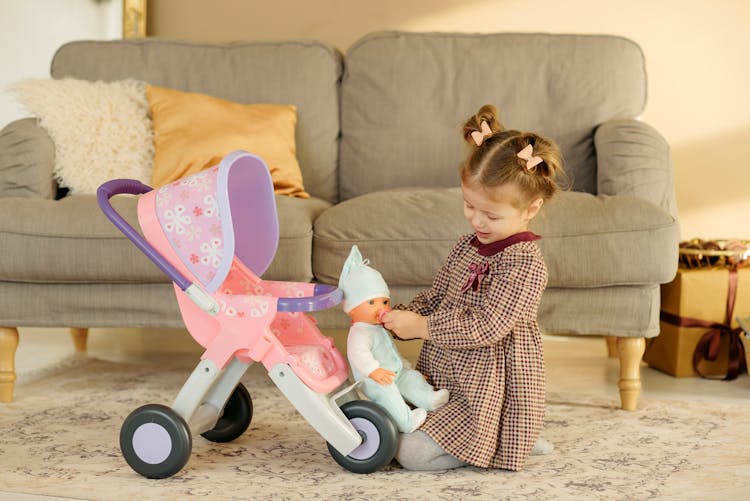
{"type": "Point", "coordinates": [487, 113]}
{"type": "Point", "coordinates": [494, 159]}
{"type": "Point", "coordinates": [552, 163]}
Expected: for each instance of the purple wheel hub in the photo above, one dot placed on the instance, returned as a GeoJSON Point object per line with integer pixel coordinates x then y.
{"type": "Point", "coordinates": [370, 439]}
{"type": "Point", "coordinates": [152, 443]}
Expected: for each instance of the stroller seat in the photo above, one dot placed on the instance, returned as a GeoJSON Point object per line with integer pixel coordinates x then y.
{"type": "Point", "coordinates": [309, 353]}
{"type": "Point", "coordinates": [315, 358]}
{"type": "Point", "coordinates": [220, 228]}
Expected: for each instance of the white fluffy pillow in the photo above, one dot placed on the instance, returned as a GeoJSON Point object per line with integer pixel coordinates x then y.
{"type": "Point", "coordinates": [101, 130]}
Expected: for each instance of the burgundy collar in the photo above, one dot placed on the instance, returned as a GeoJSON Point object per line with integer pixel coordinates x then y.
{"type": "Point", "coordinates": [493, 248]}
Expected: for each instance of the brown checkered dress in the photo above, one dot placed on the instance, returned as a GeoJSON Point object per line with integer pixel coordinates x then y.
{"type": "Point", "coordinates": [486, 349]}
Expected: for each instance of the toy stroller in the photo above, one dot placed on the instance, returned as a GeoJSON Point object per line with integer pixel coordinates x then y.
{"type": "Point", "coordinates": [214, 234]}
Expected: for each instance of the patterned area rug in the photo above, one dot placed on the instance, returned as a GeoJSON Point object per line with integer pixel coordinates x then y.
{"type": "Point", "coordinates": [60, 438]}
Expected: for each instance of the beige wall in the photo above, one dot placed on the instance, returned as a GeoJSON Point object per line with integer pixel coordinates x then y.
{"type": "Point", "coordinates": [696, 51]}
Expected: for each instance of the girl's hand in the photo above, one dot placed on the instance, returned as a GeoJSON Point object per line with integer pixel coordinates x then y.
{"type": "Point", "coordinates": [406, 324]}
{"type": "Point", "coordinates": [382, 376]}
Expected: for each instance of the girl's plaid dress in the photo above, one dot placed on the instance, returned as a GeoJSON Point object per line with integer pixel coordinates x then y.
{"type": "Point", "coordinates": [486, 349]}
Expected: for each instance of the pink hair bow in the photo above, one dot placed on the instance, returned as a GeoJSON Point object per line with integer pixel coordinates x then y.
{"type": "Point", "coordinates": [525, 154]}
{"type": "Point", "coordinates": [478, 136]}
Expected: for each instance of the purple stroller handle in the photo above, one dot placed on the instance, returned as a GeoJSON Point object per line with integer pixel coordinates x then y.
{"type": "Point", "coordinates": [325, 296]}
{"type": "Point", "coordinates": [134, 187]}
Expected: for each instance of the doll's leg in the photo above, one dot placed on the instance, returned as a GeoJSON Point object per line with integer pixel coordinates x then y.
{"type": "Point", "coordinates": [419, 392]}
{"type": "Point", "coordinates": [390, 399]}
{"type": "Point", "coordinates": [418, 451]}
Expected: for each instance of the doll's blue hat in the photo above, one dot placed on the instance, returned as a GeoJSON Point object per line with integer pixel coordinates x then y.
{"type": "Point", "coordinates": [359, 282]}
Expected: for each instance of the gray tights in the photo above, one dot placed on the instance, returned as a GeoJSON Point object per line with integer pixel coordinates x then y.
{"type": "Point", "coordinates": [418, 451]}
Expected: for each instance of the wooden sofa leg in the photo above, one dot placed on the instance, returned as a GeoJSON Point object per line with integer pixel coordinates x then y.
{"type": "Point", "coordinates": [80, 336]}
{"type": "Point", "coordinates": [8, 345]}
{"type": "Point", "coordinates": [630, 350]}
{"type": "Point", "coordinates": [611, 346]}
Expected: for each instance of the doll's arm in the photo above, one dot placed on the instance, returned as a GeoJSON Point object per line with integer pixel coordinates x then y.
{"type": "Point", "coordinates": [359, 351]}
{"type": "Point", "coordinates": [382, 376]}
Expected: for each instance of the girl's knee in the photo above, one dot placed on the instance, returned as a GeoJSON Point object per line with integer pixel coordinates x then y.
{"type": "Point", "coordinates": [418, 451]}
{"type": "Point", "coordinates": [410, 453]}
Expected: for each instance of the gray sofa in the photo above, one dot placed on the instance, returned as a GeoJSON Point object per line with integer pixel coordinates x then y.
{"type": "Point", "coordinates": [378, 144]}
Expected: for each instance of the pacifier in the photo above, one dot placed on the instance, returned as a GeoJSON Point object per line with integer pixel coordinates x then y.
{"type": "Point", "coordinates": [381, 313]}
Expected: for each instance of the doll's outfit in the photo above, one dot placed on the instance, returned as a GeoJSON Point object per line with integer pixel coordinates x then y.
{"type": "Point", "coordinates": [370, 346]}
{"type": "Point", "coordinates": [485, 347]}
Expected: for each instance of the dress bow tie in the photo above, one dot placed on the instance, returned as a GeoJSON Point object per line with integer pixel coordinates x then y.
{"type": "Point", "coordinates": [477, 272]}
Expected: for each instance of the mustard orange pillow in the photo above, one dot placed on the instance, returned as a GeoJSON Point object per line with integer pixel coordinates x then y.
{"type": "Point", "coordinates": [194, 131]}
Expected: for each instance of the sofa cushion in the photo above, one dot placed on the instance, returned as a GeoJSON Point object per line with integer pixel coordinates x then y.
{"type": "Point", "coordinates": [27, 156]}
{"type": "Point", "coordinates": [303, 74]}
{"type": "Point", "coordinates": [587, 240]}
{"type": "Point", "coordinates": [405, 96]}
{"type": "Point", "coordinates": [405, 233]}
{"type": "Point", "coordinates": [193, 132]}
{"type": "Point", "coordinates": [71, 241]}
{"type": "Point", "coordinates": [101, 130]}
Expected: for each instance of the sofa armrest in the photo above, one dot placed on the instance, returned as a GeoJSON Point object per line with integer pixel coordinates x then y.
{"type": "Point", "coordinates": [633, 159]}
{"type": "Point", "coordinates": [27, 155]}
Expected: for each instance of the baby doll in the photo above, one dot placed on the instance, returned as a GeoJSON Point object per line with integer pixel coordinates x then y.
{"type": "Point", "coordinates": [387, 378]}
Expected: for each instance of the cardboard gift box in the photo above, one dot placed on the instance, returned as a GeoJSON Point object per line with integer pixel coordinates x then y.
{"type": "Point", "coordinates": [698, 294]}
{"type": "Point", "coordinates": [745, 324]}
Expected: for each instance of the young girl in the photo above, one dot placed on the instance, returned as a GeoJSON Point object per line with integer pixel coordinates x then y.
{"type": "Point", "coordinates": [479, 318]}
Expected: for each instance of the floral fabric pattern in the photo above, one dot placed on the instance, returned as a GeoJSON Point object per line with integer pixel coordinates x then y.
{"type": "Point", "coordinates": [189, 215]}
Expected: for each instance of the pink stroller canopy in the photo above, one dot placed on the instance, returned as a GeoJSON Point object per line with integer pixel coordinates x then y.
{"type": "Point", "coordinates": [226, 211]}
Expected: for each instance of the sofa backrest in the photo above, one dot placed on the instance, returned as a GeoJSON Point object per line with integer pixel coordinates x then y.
{"type": "Point", "coordinates": [405, 96]}
{"type": "Point", "coordinates": [305, 74]}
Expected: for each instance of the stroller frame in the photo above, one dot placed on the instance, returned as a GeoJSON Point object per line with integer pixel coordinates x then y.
{"type": "Point", "coordinates": [156, 440]}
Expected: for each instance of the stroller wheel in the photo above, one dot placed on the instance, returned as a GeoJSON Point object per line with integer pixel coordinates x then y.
{"type": "Point", "coordinates": [238, 412]}
{"type": "Point", "coordinates": [379, 438]}
{"type": "Point", "coordinates": [155, 441]}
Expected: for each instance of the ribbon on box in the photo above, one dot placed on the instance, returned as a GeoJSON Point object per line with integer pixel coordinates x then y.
{"type": "Point", "coordinates": [708, 345]}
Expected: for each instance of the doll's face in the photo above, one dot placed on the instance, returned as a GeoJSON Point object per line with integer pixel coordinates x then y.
{"type": "Point", "coordinates": [369, 310]}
